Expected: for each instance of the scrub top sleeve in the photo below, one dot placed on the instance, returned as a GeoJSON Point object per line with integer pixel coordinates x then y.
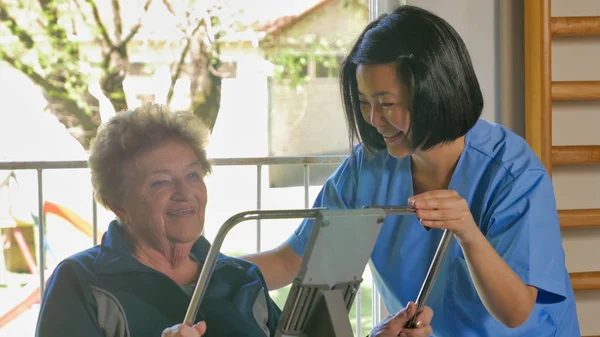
{"type": "Point", "coordinates": [524, 229]}
{"type": "Point", "coordinates": [338, 192]}
{"type": "Point", "coordinates": [64, 311]}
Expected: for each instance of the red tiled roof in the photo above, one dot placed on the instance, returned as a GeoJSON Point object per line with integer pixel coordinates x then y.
{"type": "Point", "coordinates": [277, 26]}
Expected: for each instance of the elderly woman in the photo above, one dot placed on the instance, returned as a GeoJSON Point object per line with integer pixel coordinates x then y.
{"type": "Point", "coordinates": [148, 166]}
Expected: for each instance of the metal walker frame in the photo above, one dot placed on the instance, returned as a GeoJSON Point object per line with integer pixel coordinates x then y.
{"type": "Point", "coordinates": [331, 297]}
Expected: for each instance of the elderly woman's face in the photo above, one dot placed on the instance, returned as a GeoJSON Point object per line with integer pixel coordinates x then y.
{"type": "Point", "coordinates": [165, 195]}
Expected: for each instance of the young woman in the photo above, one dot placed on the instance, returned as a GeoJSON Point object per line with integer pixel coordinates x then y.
{"type": "Point", "coordinates": [413, 101]}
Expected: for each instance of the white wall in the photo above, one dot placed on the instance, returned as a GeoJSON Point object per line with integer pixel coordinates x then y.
{"type": "Point", "coordinates": [482, 42]}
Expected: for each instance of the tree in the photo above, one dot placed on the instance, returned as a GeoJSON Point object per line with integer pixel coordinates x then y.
{"type": "Point", "coordinates": [55, 43]}
{"type": "Point", "coordinates": [202, 24]}
{"type": "Point", "coordinates": [49, 50]}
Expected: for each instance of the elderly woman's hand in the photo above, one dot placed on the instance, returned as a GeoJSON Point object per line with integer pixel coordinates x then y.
{"type": "Point", "coordinates": [182, 330]}
{"type": "Point", "coordinates": [393, 325]}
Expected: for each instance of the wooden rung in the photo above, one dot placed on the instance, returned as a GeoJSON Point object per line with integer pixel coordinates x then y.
{"type": "Point", "coordinates": [589, 280]}
{"type": "Point", "coordinates": [575, 25]}
{"type": "Point", "coordinates": [575, 90]}
{"type": "Point", "coordinates": [573, 155]}
{"type": "Point", "coordinates": [579, 218]}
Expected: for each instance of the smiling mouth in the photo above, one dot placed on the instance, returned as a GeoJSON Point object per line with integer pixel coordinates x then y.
{"type": "Point", "coordinates": [392, 135]}
{"type": "Point", "coordinates": [184, 211]}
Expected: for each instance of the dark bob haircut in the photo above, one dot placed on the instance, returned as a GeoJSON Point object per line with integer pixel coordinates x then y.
{"type": "Point", "coordinates": [432, 61]}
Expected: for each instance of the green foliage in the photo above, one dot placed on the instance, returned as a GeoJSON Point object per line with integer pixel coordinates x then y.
{"type": "Point", "coordinates": [290, 68]}
{"type": "Point", "coordinates": [65, 45]}
{"type": "Point", "coordinates": [293, 67]}
{"type": "Point", "coordinates": [52, 53]}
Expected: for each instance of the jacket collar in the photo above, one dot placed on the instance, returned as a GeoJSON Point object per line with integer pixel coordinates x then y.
{"type": "Point", "coordinates": [116, 257]}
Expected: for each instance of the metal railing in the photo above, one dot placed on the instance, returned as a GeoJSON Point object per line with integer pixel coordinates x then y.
{"type": "Point", "coordinates": [258, 162]}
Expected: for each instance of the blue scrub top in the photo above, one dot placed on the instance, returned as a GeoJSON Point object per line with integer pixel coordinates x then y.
{"type": "Point", "coordinates": [511, 197]}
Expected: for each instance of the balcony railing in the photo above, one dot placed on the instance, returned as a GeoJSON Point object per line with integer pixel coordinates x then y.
{"type": "Point", "coordinates": [258, 162]}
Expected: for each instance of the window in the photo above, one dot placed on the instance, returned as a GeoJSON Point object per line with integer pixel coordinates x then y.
{"type": "Point", "coordinates": [328, 66]}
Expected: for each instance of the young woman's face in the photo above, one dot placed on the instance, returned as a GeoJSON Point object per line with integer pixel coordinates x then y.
{"type": "Point", "coordinates": [383, 104]}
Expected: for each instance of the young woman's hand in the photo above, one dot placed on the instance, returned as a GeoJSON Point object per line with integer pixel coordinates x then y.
{"type": "Point", "coordinates": [446, 209]}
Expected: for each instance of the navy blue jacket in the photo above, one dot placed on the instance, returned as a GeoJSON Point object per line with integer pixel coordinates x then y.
{"type": "Point", "coordinates": [105, 291]}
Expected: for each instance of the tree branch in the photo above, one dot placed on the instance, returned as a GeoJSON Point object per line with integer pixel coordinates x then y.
{"type": "Point", "coordinates": [57, 34]}
{"type": "Point", "coordinates": [175, 76]}
{"type": "Point", "coordinates": [147, 5]}
{"type": "Point", "coordinates": [209, 28]}
{"type": "Point", "coordinates": [101, 26]}
{"type": "Point", "coordinates": [116, 7]}
{"type": "Point", "coordinates": [85, 19]}
{"type": "Point", "coordinates": [217, 73]}
{"type": "Point", "coordinates": [14, 28]}
{"type": "Point", "coordinates": [51, 16]}
{"type": "Point", "coordinates": [136, 28]}
{"type": "Point", "coordinates": [29, 72]}
{"type": "Point", "coordinates": [72, 19]}
{"type": "Point", "coordinates": [169, 7]}
{"type": "Point", "coordinates": [186, 49]}
{"type": "Point", "coordinates": [130, 36]}
{"type": "Point", "coordinates": [40, 23]}
{"type": "Point", "coordinates": [51, 90]}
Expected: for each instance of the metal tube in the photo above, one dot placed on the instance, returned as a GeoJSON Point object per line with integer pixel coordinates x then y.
{"type": "Point", "coordinates": [94, 220]}
{"type": "Point", "coordinates": [394, 210]}
{"type": "Point", "coordinates": [438, 258]}
{"type": "Point", "coordinates": [375, 303]}
{"type": "Point", "coordinates": [373, 10]}
{"type": "Point", "coordinates": [211, 258]}
{"type": "Point", "coordinates": [358, 310]}
{"type": "Point", "coordinates": [258, 204]}
{"type": "Point", "coordinates": [306, 185]}
{"type": "Point", "coordinates": [243, 161]}
{"type": "Point", "coordinates": [41, 229]}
